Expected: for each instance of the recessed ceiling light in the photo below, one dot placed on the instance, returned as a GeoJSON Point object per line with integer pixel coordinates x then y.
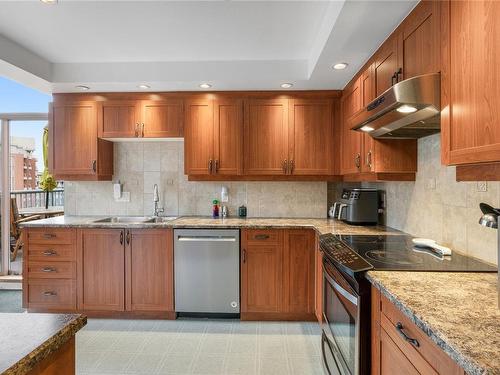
{"type": "Point", "coordinates": [340, 66]}
{"type": "Point", "coordinates": [406, 109]}
{"type": "Point", "coordinates": [367, 129]}
{"type": "Point", "coordinates": [49, 1]}
{"type": "Point", "coordinates": [82, 87]}
{"type": "Point", "coordinates": [286, 85]}
{"type": "Point", "coordinates": [205, 85]}
{"type": "Point", "coordinates": [143, 87]}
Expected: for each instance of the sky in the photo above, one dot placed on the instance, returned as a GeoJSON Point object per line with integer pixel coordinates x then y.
{"type": "Point", "coordinates": [15, 97]}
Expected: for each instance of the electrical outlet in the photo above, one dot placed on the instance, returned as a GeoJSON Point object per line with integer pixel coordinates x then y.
{"type": "Point", "coordinates": [431, 184]}
{"type": "Point", "coordinates": [482, 186]}
{"type": "Point", "coordinates": [170, 181]}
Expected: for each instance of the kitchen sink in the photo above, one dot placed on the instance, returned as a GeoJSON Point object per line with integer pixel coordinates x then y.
{"type": "Point", "coordinates": [135, 219]}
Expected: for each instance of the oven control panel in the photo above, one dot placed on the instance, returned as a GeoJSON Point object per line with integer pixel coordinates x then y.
{"type": "Point", "coordinates": [339, 252]}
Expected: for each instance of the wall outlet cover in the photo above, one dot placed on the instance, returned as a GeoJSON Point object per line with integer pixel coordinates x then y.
{"type": "Point", "coordinates": [124, 198]}
{"type": "Point", "coordinates": [482, 186]}
{"type": "Point", "coordinates": [431, 184]}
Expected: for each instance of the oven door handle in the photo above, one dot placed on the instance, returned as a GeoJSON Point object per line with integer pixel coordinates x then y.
{"type": "Point", "coordinates": [350, 297]}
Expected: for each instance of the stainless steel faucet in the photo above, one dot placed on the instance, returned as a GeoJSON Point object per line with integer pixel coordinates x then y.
{"type": "Point", "coordinates": [156, 199]}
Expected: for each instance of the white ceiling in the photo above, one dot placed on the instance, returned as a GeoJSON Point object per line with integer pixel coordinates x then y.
{"type": "Point", "coordinates": [175, 45]}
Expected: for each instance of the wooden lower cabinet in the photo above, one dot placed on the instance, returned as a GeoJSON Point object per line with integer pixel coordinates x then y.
{"type": "Point", "coordinates": [149, 270]}
{"type": "Point", "coordinates": [101, 266]}
{"type": "Point", "coordinates": [392, 354]}
{"type": "Point", "coordinates": [277, 274]}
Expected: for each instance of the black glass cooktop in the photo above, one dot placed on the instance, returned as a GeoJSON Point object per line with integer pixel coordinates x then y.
{"type": "Point", "coordinates": [397, 252]}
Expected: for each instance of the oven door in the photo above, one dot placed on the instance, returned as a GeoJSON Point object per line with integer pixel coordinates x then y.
{"type": "Point", "coordinates": [341, 323]}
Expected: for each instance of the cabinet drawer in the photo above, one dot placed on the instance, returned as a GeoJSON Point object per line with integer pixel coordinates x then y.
{"type": "Point", "coordinates": [262, 236]}
{"type": "Point", "coordinates": [51, 252]}
{"type": "Point", "coordinates": [52, 236]}
{"type": "Point", "coordinates": [51, 270]}
{"type": "Point", "coordinates": [53, 294]}
{"type": "Point", "coordinates": [423, 353]}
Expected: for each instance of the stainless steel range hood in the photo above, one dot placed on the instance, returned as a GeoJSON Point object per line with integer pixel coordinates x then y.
{"type": "Point", "coordinates": [409, 109]}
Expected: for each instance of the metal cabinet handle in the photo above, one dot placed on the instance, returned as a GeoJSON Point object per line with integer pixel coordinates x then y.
{"type": "Point", "coordinates": [244, 256]}
{"type": "Point", "coordinates": [261, 236]}
{"type": "Point", "coordinates": [121, 238]}
{"type": "Point", "coordinates": [369, 159]}
{"type": "Point", "coordinates": [210, 162]}
{"type": "Point", "coordinates": [49, 253]}
{"type": "Point", "coordinates": [284, 166]}
{"type": "Point", "coordinates": [49, 235]}
{"type": "Point", "coordinates": [50, 293]}
{"type": "Point", "coordinates": [399, 328]}
{"type": "Point", "coordinates": [394, 79]}
{"type": "Point", "coordinates": [49, 269]}
{"type": "Point", "coordinates": [399, 73]}
{"type": "Point", "coordinates": [216, 165]}
{"type": "Point", "coordinates": [142, 130]}
{"type": "Point", "coordinates": [357, 160]}
{"type": "Point", "coordinates": [128, 237]}
{"type": "Point", "coordinates": [136, 129]}
{"type": "Point", "coordinates": [292, 166]}
{"type": "Point", "coordinates": [94, 166]}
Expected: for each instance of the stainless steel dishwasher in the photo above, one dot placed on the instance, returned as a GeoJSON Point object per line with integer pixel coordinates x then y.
{"type": "Point", "coordinates": [207, 272]}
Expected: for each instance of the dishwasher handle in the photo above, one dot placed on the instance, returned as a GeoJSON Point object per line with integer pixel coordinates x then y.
{"type": "Point", "coordinates": [206, 238]}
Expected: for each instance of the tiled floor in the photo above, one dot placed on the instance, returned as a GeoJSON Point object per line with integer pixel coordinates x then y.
{"type": "Point", "coordinates": [198, 347]}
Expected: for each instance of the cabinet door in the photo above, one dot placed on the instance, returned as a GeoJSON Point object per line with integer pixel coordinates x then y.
{"type": "Point", "coordinates": [228, 139]}
{"type": "Point", "coordinates": [420, 44]}
{"type": "Point", "coordinates": [386, 65]}
{"type": "Point", "coordinates": [149, 270]}
{"type": "Point", "coordinates": [101, 270]}
{"type": "Point", "coordinates": [261, 277]}
{"type": "Point", "coordinates": [73, 139]}
{"type": "Point", "coordinates": [120, 119]}
{"type": "Point", "coordinates": [367, 95]}
{"type": "Point", "coordinates": [350, 148]}
{"type": "Point", "coordinates": [298, 271]}
{"type": "Point", "coordinates": [352, 99]}
{"type": "Point", "coordinates": [392, 359]}
{"type": "Point", "coordinates": [266, 136]}
{"type": "Point", "coordinates": [310, 137]}
{"type": "Point", "coordinates": [318, 280]}
{"type": "Point", "coordinates": [162, 118]}
{"type": "Point", "coordinates": [198, 137]}
{"type": "Point", "coordinates": [470, 82]}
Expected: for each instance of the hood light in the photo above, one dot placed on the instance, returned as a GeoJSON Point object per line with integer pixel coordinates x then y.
{"type": "Point", "coordinates": [367, 129]}
{"type": "Point", "coordinates": [406, 109]}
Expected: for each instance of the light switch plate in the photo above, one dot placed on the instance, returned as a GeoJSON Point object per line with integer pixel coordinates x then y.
{"type": "Point", "coordinates": [124, 198]}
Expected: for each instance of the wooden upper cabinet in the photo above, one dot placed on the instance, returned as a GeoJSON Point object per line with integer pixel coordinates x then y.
{"type": "Point", "coordinates": [350, 143]}
{"type": "Point", "coordinates": [386, 65]}
{"type": "Point", "coordinates": [120, 119]}
{"type": "Point", "coordinates": [352, 99]}
{"type": "Point", "coordinates": [420, 41]}
{"type": "Point", "coordinates": [101, 270]}
{"type": "Point", "coordinates": [310, 137]}
{"type": "Point", "coordinates": [162, 118]}
{"type": "Point", "coordinates": [228, 137]}
{"type": "Point", "coordinates": [149, 270]}
{"type": "Point", "coordinates": [198, 137]}
{"type": "Point", "coordinates": [75, 152]}
{"type": "Point", "coordinates": [266, 137]}
{"type": "Point", "coordinates": [470, 119]}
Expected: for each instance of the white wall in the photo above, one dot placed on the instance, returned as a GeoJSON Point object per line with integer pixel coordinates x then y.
{"type": "Point", "coordinates": [139, 165]}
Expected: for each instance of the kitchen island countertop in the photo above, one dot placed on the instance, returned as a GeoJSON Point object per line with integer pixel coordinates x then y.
{"type": "Point", "coordinates": [27, 339]}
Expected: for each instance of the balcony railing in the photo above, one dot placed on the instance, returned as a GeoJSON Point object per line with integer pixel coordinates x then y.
{"type": "Point", "coordinates": [36, 198]}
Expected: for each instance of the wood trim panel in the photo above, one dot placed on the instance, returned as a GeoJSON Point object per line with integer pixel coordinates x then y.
{"type": "Point", "coordinates": [277, 316]}
{"type": "Point", "coordinates": [263, 178]}
{"type": "Point", "coordinates": [374, 177]}
{"type": "Point", "coordinates": [59, 362]}
{"type": "Point", "coordinates": [375, 331]}
{"type": "Point", "coordinates": [318, 280]}
{"type": "Point", "coordinates": [478, 172]}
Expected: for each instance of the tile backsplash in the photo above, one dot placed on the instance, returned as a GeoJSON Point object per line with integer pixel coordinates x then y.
{"type": "Point", "coordinates": [139, 165]}
{"type": "Point", "coordinates": [436, 206]}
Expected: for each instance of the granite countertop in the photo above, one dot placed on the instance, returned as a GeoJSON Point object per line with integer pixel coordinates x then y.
{"type": "Point", "coordinates": [458, 311]}
{"type": "Point", "coordinates": [27, 339]}
{"type": "Point", "coordinates": [322, 226]}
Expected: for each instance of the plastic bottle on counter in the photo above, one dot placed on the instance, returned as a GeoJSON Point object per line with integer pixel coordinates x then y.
{"type": "Point", "coordinates": [215, 209]}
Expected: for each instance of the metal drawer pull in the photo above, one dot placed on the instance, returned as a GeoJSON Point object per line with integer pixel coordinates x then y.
{"type": "Point", "coordinates": [49, 253]}
{"type": "Point", "coordinates": [49, 235]}
{"type": "Point", "coordinates": [49, 269]}
{"type": "Point", "coordinates": [50, 294]}
{"type": "Point", "coordinates": [261, 236]}
{"type": "Point", "coordinates": [399, 328]}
